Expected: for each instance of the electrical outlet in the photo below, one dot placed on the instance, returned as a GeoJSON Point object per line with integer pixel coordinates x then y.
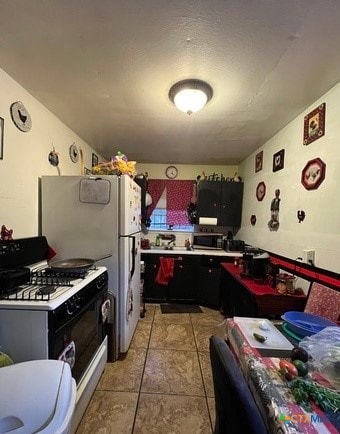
{"type": "Point", "coordinates": [309, 256]}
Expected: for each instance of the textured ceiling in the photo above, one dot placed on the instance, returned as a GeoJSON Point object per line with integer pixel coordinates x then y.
{"type": "Point", "coordinates": [105, 68]}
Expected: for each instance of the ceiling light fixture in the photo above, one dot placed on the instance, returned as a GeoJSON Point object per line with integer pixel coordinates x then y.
{"type": "Point", "coordinates": [191, 95]}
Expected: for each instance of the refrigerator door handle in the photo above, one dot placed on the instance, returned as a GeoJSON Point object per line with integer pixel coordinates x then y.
{"type": "Point", "coordinates": [133, 252]}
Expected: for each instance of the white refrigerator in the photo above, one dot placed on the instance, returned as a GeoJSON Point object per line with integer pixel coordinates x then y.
{"type": "Point", "coordinates": [95, 216]}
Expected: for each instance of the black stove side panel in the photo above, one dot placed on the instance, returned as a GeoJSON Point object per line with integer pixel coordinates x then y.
{"type": "Point", "coordinates": [23, 251]}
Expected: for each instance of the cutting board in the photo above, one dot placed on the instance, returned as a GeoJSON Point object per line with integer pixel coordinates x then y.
{"type": "Point", "coordinates": [275, 339]}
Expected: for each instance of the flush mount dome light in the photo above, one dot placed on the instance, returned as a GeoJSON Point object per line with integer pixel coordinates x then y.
{"type": "Point", "coordinates": [189, 96]}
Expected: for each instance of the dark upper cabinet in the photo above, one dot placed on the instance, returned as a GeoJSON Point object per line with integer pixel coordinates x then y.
{"type": "Point", "coordinates": [221, 200]}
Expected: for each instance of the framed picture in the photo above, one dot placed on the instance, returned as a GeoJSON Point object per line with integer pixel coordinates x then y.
{"type": "Point", "coordinates": [2, 123]}
{"type": "Point", "coordinates": [278, 160]}
{"type": "Point", "coordinates": [258, 161]}
{"type": "Point", "coordinates": [313, 174]}
{"type": "Point", "coordinates": [94, 160]}
{"type": "Point", "coordinates": [87, 171]}
{"type": "Point", "coordinates": [314, 124]}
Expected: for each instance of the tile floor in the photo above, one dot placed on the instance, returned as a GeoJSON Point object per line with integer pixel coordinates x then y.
{"type": "Point", "coordinates": [164, 384]}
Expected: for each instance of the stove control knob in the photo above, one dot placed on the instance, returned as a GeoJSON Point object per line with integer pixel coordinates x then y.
{"type": "Point", "coordinates": [77, 301]}
{"type": "Point", "coordinates": [69, 307]}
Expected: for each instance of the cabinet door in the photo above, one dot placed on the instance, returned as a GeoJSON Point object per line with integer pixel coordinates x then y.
{"type": "Point", "coordinates": [209, 281]}
{"type": "Point", "coordinates": [231, 204]}
{"type": "Point", "coordinates": [209, 199]}
{"type": "Point", "coordinates": [153, 292]}
{"type": "Point", "coordinates": [185, 279]}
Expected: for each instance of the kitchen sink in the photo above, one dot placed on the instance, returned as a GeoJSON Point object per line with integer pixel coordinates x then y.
{"type": "Point", "coordinates": [174, 248]}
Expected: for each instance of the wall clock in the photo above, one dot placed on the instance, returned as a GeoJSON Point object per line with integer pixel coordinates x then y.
{"type": "Point", "coordinates": [74, 154]}
{"type": "Point", "coordinates": [20, 116]}
{"type": "Point", "coordinates": [171, 172]}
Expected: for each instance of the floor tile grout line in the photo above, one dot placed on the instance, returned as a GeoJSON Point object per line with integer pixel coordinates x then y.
{"type": "Point", "coordinates": [142, 376]}
{"type": "Point", "coordinates": [200, 365]}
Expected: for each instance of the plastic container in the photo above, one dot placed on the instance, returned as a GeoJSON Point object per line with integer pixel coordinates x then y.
{"type": "Point", "coordinates": [306, 324]}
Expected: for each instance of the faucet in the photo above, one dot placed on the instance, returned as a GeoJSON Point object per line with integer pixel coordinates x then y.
{"type": "Point", "coordinates": [172, 241]}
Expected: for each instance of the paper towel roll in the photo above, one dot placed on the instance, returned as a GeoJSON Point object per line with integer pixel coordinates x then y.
{"type": "Point", "coordinates": [207, 221]}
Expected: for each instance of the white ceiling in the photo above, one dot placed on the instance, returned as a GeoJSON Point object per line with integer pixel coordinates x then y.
{"type": "Point", "coordinates": [105, 67]}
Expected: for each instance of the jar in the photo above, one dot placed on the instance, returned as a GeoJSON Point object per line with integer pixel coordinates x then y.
{"type": "Point", "coordinates": [285, 283]}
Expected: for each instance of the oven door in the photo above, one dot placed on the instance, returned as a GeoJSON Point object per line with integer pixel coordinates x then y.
{"type": "Point", "coordinates": [77, 340]}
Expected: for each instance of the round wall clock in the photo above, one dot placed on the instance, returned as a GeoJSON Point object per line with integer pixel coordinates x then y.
{"type": "Point", "coordinates": [20, 116]}
{"type": "Point", "coordinates": [171, 172]}
{"type": "Point", "coordinates": [74, 154]}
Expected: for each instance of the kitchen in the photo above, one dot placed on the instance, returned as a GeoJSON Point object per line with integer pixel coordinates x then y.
{"type": "Point", "coordinates": [25, 155]}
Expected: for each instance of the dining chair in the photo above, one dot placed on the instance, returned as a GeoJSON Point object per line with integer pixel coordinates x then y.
{"type": "Point", "coordinates": [236, 410]}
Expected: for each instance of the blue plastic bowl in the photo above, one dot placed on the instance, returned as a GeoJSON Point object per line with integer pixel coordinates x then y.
{"type": "Point", "coordinates": [306, 324]}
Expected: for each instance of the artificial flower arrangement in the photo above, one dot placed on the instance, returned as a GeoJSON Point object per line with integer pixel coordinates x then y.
{"type": "Point", "coordinates": [119, 165]}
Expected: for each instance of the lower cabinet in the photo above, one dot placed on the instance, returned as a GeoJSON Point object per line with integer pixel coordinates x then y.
{"type": "Point", "coordinates": [209, 281]}
{"type": "Point", "coordinates": [182, 287]}
{"type": "Point", "coordinates": [196, 280]}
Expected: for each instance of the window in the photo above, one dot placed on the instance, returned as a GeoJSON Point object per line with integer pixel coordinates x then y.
{"type": "Point", "coordinates": [170, 202]}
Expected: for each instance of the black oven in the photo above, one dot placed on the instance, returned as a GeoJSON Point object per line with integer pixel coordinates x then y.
{"type": "Point", "coordinates": [78, 327]}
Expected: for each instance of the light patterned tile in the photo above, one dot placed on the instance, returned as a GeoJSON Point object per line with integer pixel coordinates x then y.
{"type": "Point", "coordinates": [142, 335]}
{"type": "Point", "coordinates": [109, 413]}
{"type": "Point", "coordinates": [171, 414]}
{"type": "Point", "coordinates": [172, 336]}
{"type": "Point", "coordinates": [172, 318]}
{"type": "Point", "coordinates": [204, 358]}
{"type": "Point", "coordinates": [203, 332]}
{"type": "Point", "coordinates": [149, 313]}
{"type": "Point", "coordinates": [209, 317]}
{"type": "Point", "coordinates": [124, 375]}
{"type": "Point", "coordinates": [173, 372]}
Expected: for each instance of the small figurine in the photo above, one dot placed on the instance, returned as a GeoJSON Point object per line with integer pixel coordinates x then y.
{"type": "Point", "coordinates": [273, 223]}
{"type": "Point", "coordinates": [6, 234]}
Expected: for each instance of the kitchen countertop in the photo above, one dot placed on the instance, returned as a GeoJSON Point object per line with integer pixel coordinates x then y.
{"type": "Point", "coordinates": [182, 251]}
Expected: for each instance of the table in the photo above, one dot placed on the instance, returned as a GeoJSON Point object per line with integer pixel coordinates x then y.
{"type": "Point", "coordinates": [246, 297]}
{"type": "Point", "coordinates": [272, 393]}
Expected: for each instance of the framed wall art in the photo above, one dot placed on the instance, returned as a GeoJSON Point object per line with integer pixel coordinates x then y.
{"type": "Point", "coordinates": [278, 160]}
{"type": "Point", "coordinates": [2, 124]}
{"type": "Point", "coordinates": [313, 174]}
{"type": "Point", "coordinates": [94, 160]}
{"type": "Point", "coordinates": [87, 171]}
{"type": "Point", "coordinates": [314, 124]}
{"type": "Point", "coordinates": [259, 161]}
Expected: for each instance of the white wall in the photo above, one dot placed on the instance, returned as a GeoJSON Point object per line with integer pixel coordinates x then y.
{"type": "Point", "coordinates": [321, 227]}
{"type": "Point", "coordinates": [186, 171]}
{"type": "Point", "coordinates": [25, 158]}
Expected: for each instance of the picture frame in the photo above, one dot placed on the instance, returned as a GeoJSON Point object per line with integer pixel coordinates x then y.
{"type": "Point", "coordinates": [260, 191]}
{"type": "Point", "coordinates": [94, 159]}
{"type": "Point", "coordinates": [2, 126]}
{"type": "Point", "coordinates": [87, 171]}
{"type": "Point", "coordinates": [314, 124]}
{"type": "Point", "coordinates": [278, 160]}
{"type": "Point", "coordinates": [258, 161]}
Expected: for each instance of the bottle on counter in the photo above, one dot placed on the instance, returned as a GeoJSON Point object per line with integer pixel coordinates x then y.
{"type": "Point", "coordinates": [158, 241]}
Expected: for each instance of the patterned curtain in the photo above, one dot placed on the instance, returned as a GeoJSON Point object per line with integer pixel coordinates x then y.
{"type": "Point", "coordinates": [178, 197]}
{"type": "Point", "coordinates": [155, 188]}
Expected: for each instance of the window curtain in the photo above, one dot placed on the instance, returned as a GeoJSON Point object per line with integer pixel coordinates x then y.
{"type": "Point", "coordinates": [178, 197]}
{"type": "Point", "coordinates": [155, 189]}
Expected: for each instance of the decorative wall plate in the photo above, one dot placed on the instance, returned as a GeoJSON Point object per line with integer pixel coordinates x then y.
{"type": "Point", "coordinates": [260, 191]}
{"type": "Point", "coordinates": [253, 219]}
{"type": "Point", "coordinates": [74, 153]}
{"type": "Point", "coordinates": [313, 174]}
{"type": "Point", "coordinates": [53, 158]}
{"type": "Point", "coordinates": [20, 116]}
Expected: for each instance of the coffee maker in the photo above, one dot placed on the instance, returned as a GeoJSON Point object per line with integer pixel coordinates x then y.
{"type": "Point", "coordinates": [255, 264]}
